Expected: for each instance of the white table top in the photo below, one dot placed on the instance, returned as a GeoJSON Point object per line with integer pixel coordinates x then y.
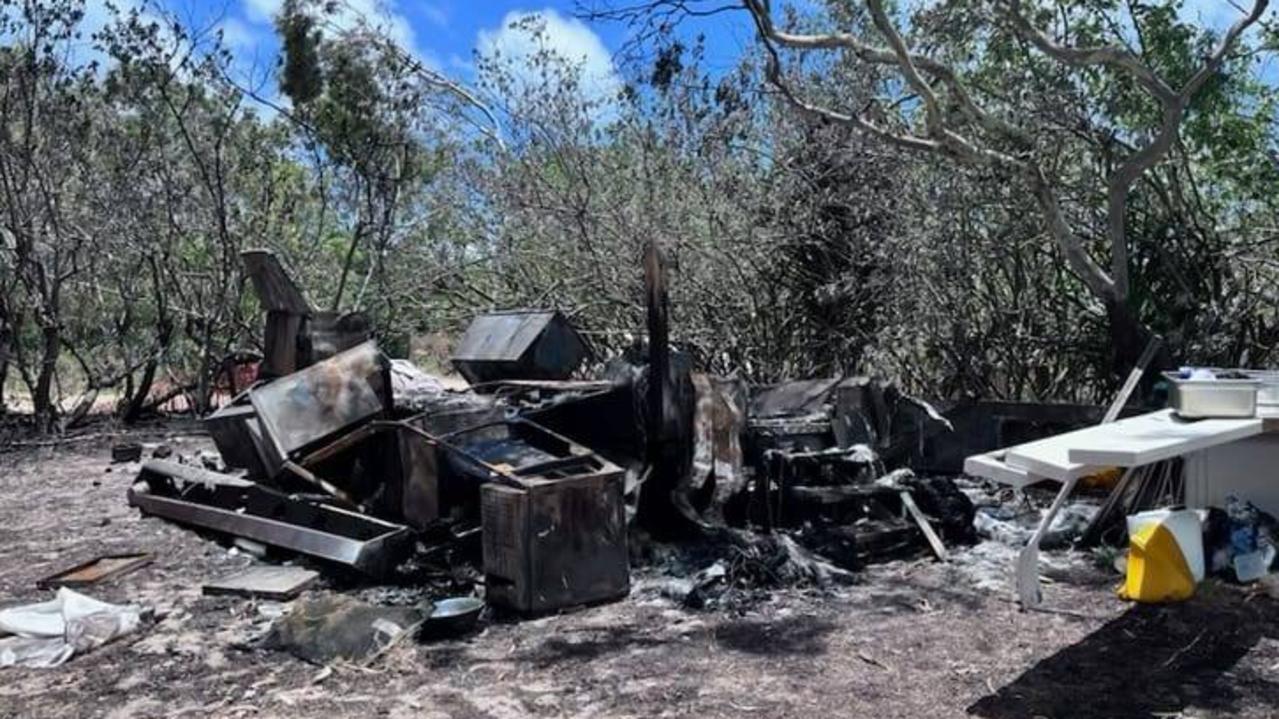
{"type": "Point", "coordinates": [1154, 437]}
{"type": "Point", "coordinates": [1129, 442]}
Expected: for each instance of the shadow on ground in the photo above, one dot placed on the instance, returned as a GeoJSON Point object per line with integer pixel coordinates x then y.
{"type": "Point", "coordinates": [589, 645]}
{"type": "Point", "coordinates": [1149, 661]}
{"type": "Point", "coordinates": [802, 635]}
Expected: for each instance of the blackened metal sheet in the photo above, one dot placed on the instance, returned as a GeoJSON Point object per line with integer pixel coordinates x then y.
{"type": "Point", "coordinates": [96, 570]}
{"type": "Point", "coordinates": [229, 429]}
{"type": "Point", "coordinates": [269, 582]}
{"type": "Point", "coordinates": [509, 451]}
{"type": "Point", "coordinates": [233, 506]}
{"type": "Point", "coordinates": [519, 345]}
{"type": "Point", "coordinates": [791, 398]}
{"type": "Point", "coordinates": [556, 543]}
{"type": "Point", "coordinates": [300, 410]}
{"type": "Point", "coordinates": [718, 424]}
{"type": "Point", "coordinates": [501, 336]}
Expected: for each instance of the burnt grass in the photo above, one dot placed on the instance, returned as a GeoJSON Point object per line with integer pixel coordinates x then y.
{"type": "Point", "coordinates": [909, 639]}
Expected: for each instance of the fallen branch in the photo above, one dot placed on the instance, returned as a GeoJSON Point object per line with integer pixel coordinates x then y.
{"type": "Point", "coordinates": [1183, 650]}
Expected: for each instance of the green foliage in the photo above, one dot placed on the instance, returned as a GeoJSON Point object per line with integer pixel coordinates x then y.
{"type": "Point", "coordinates": [300, 76]}
{"type": "Point", "coordinates": [799, 248]}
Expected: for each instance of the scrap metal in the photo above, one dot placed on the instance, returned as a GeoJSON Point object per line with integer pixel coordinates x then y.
{"type": "Point", "coordinates": [241, 508]}
{"type": "Point", "coordinates": [519, 344]}
{"type": "Point", "coordinates": [96, 570]}
{"type": "Point", "coordinates": [299, 412]}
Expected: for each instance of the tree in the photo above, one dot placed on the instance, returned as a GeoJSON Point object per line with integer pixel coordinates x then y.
{"type": "Point", "coordinates": [956, 126]}
{"type": "Point", "coordinates": [46, 140]}
{"type": "Point", "coordinates": [942, 106]}
{"type": "Point", "coordinates": [382, 121]}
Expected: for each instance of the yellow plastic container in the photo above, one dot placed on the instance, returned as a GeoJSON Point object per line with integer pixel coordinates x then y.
{"type": "Point", "coordinates": [1158, 567]}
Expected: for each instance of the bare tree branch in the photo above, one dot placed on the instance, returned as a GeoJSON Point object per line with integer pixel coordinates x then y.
{"type": "Point", "coordinates": [1173, 102]}
{"type": "Point", "coordinates": [1119, 58]}
{"type": "Point", "coordinates": [945, 141]}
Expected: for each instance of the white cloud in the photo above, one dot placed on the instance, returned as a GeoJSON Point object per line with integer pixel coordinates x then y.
{"type": "Point", "coordinates": [262, 11]}
{"type": "Point", "coordinates": [523, 34]}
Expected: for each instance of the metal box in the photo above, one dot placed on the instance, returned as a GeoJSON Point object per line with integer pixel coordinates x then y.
{"type": "Point", "coordinates": [555, 543]}
{"type": "Point", "coordinates": [521, 344]}
{"type": "Point", "coordinates": [231, 429]}
{"type": "Point", "coordinates": [1203, 398]}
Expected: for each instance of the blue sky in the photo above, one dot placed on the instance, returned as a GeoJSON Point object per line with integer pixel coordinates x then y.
{"type": "Point", "coordinates": [447, 33]}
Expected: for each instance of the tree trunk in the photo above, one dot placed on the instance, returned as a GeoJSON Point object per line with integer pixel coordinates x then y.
{"type": "Point", "coordinates": [1128, 339]}
{"type": "Point", "coordinates": [346, 264]}
{"type": "Point", "coordinates": [42, 399]}
{"type": "Point", "coordinates": [138, 399]}
{"type": "Point", "coordinates": [6, 339]}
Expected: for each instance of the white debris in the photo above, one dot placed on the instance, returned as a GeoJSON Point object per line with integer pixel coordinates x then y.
{"type": "Point", "coordinates": [413, 388]}
{"type": "Point", "coordinates": [49, 633]}
{"type": "Point", "coordinates": [1015, 528]}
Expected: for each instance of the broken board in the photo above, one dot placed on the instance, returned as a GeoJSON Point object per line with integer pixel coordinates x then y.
{"type": "Point", "coordinates": [95, 570]}
{"type": "Point", "coordinates": [263, 582]}
{"type": "Point", "coordinates": [934, 541]}
{"type": "Point", "coordinates": [276, 290]}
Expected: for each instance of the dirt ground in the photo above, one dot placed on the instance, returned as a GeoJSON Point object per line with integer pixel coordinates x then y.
{"type": "Point", "coordinates": [912, 639]}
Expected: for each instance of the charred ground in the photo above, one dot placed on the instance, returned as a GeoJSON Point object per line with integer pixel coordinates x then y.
{"type": "Point", "coordinates": [910, 639]}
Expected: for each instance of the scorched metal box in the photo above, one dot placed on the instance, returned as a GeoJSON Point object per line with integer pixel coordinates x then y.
{"type": "Point", "coordinates": [555, 543]}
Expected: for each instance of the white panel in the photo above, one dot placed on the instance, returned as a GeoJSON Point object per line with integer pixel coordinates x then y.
{"type": "Point", "coordinates": [1050, 456]}
{"type": "Point", "coordinates": [1150, 438]}
{"type": "Point", "coordinates": [991, 467]}
{"type": "Point", "coordinates": [1248, 469]}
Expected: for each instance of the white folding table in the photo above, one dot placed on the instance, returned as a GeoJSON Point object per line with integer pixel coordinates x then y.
{"type": "Point", "coordinates": [1128, 443]}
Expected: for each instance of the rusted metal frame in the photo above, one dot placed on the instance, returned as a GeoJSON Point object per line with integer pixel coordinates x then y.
{"type": "Point", "coordinates": [70, 577]}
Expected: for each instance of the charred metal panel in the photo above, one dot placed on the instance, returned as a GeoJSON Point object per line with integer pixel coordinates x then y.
{"type": "Point", "coordinates": [607, 418]}
{"type": "Point", "coordinates": [553, 515]}
{"type": "Point", "coordinates": [790, 399]}
{"type": "Point", "coordinates": [328, 333]}
{"type": "Point", "coordinates": [457, 420]}
{"type": "Point", "coordinates": [515, 451]}
{"type": "Point", "coordinates": [240, 508]}
{"type": "Point", "coordinates": [555, 543]}
{"type": "Point", "coordinates": [300, 412]}
{"type": "Point", "coordinates": [96, 570]}
{"type": "Point", "coordinates": [229, 427]}
{"type": "Point", "coordinates": [519, 345]}
{"type": "Point", "coordinates": [419, 495]}
{"type": "Point", "coordinates": [404, 464]}
{"type": "Point", "coordinates": [719, 420]}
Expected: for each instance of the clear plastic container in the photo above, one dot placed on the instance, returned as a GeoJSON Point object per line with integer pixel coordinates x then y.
{"type": "Point", "coordinates": [1254, 565]}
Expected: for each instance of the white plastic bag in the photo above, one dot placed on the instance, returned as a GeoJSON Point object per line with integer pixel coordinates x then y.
{"type": "Point", "coordinates": [49, 633]}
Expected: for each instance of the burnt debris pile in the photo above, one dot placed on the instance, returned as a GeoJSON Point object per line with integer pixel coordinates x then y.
{"type": "Point", "coordinates": [549, 479]}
